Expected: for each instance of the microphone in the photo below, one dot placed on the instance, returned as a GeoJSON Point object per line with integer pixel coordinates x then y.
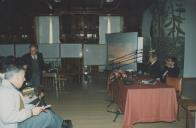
{"type": "Point", "coordinates": [164, 74]}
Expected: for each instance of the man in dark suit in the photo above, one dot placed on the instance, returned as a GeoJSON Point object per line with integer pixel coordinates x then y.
{"type": "Point", "coordinates": [34, 65]}
{"type": "Point", "coordinates": [154, 66]}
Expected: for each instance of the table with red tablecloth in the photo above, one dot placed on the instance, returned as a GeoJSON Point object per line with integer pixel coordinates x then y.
{"type": "Point", "coordinates": [145, 103]}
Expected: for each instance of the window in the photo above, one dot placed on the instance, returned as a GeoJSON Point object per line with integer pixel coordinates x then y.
{"type": "Point", "coordinates": [109, 24]}
{"type": "Point", "coordinates": [47, 29]}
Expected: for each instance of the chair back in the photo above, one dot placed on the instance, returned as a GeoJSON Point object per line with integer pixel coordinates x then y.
{"type": "Point", "coordinates": [188, 88]}
{"type": "Point", "coordinates": [175, 82]}
{"type": "Point", "coordinates": [60, 76]}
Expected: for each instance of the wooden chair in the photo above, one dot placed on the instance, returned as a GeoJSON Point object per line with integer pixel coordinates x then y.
{"type": "Point", "coordinates": [189, 106]}
{"type": "Point", "coordinates": [61, 79]}
{"type": "Point", "coordinates": [50, 79]}
{"type": "Point", "coordinates": [176, 82]}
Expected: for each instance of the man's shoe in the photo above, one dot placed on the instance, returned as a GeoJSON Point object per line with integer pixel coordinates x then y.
{"type": "Point", "coordinates": [67, 124]}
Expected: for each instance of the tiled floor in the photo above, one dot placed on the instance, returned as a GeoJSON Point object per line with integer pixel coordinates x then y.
{"type": "Point", "coordinates": [86, 105]}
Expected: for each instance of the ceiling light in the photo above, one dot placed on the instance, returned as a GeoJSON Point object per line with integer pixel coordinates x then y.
{"type": "Point", "coordinates": [109, 1]}
{"type": "Point", "coordinates": [57, 1]}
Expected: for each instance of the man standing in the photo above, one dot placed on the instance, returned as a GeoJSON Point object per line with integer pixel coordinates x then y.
{"type": "Point", "coordinates": [34, 63]}
{"type": "Point", "coordinates": [14, 113]}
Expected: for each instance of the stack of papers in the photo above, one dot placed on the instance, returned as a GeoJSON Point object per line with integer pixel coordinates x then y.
{"type": "Point", "coordinates": [151, 81]}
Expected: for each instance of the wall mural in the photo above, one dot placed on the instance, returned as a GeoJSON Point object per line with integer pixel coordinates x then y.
{"type": "Point", "coordinates": [167, 32]}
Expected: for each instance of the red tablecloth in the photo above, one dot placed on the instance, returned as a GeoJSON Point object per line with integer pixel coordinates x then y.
{"type": "Point", "coordinates": [146, 103]}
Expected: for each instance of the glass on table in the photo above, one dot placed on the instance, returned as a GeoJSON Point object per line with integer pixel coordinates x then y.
{"type": "Point", "coordinates": [139, 82]}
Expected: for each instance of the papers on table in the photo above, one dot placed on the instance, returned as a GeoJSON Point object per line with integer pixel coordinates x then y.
{"type": "Point", "coordinates": [151, 82]}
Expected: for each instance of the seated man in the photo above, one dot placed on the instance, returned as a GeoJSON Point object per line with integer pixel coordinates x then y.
{"type": "Point", "coordinates": [14, 113]}
{"type": "Point", "coordinates": [154, 66]}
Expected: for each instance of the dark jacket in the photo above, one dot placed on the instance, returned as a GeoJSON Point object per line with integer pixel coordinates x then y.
{"type": "Point", "coordinates": [154, 70]}
{"type": "Point", "coordinates": [27, 59]}
{"type": "Point", "coordinates": [172, 72]}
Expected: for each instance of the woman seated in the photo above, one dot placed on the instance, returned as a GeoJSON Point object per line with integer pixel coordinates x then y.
{"type": "Point", "coordinates": [171, 68]}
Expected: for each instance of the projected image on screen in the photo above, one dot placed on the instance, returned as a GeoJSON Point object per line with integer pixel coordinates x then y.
{"type": "Point", "coordinates": [117, 50]}
{"type": "Point", "coordinates": [121, 48]}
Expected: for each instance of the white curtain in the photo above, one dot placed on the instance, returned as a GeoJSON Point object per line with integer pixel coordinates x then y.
{"type": "Point", "coordinates": [109, 24]}
{"type": "Point", "coordinates": [47, 29]}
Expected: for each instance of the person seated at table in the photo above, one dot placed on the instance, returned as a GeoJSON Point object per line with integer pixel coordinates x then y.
{"type": "Point", "coordinates": [14, 113]}
{"type": "Point", "coordinates": [154, 66]}
{"type": "Point", "coordinates": [171, 68]}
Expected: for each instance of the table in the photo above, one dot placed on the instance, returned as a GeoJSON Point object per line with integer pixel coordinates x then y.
{"type": "Point", "coordinates": [146, 103]}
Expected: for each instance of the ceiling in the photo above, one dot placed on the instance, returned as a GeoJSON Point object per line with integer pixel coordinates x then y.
{"type": "Point", "coordinates": [70, 6]}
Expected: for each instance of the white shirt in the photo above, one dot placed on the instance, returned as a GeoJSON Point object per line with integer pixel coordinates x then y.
{"type": "Point", "coordinates": [34, 57]}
